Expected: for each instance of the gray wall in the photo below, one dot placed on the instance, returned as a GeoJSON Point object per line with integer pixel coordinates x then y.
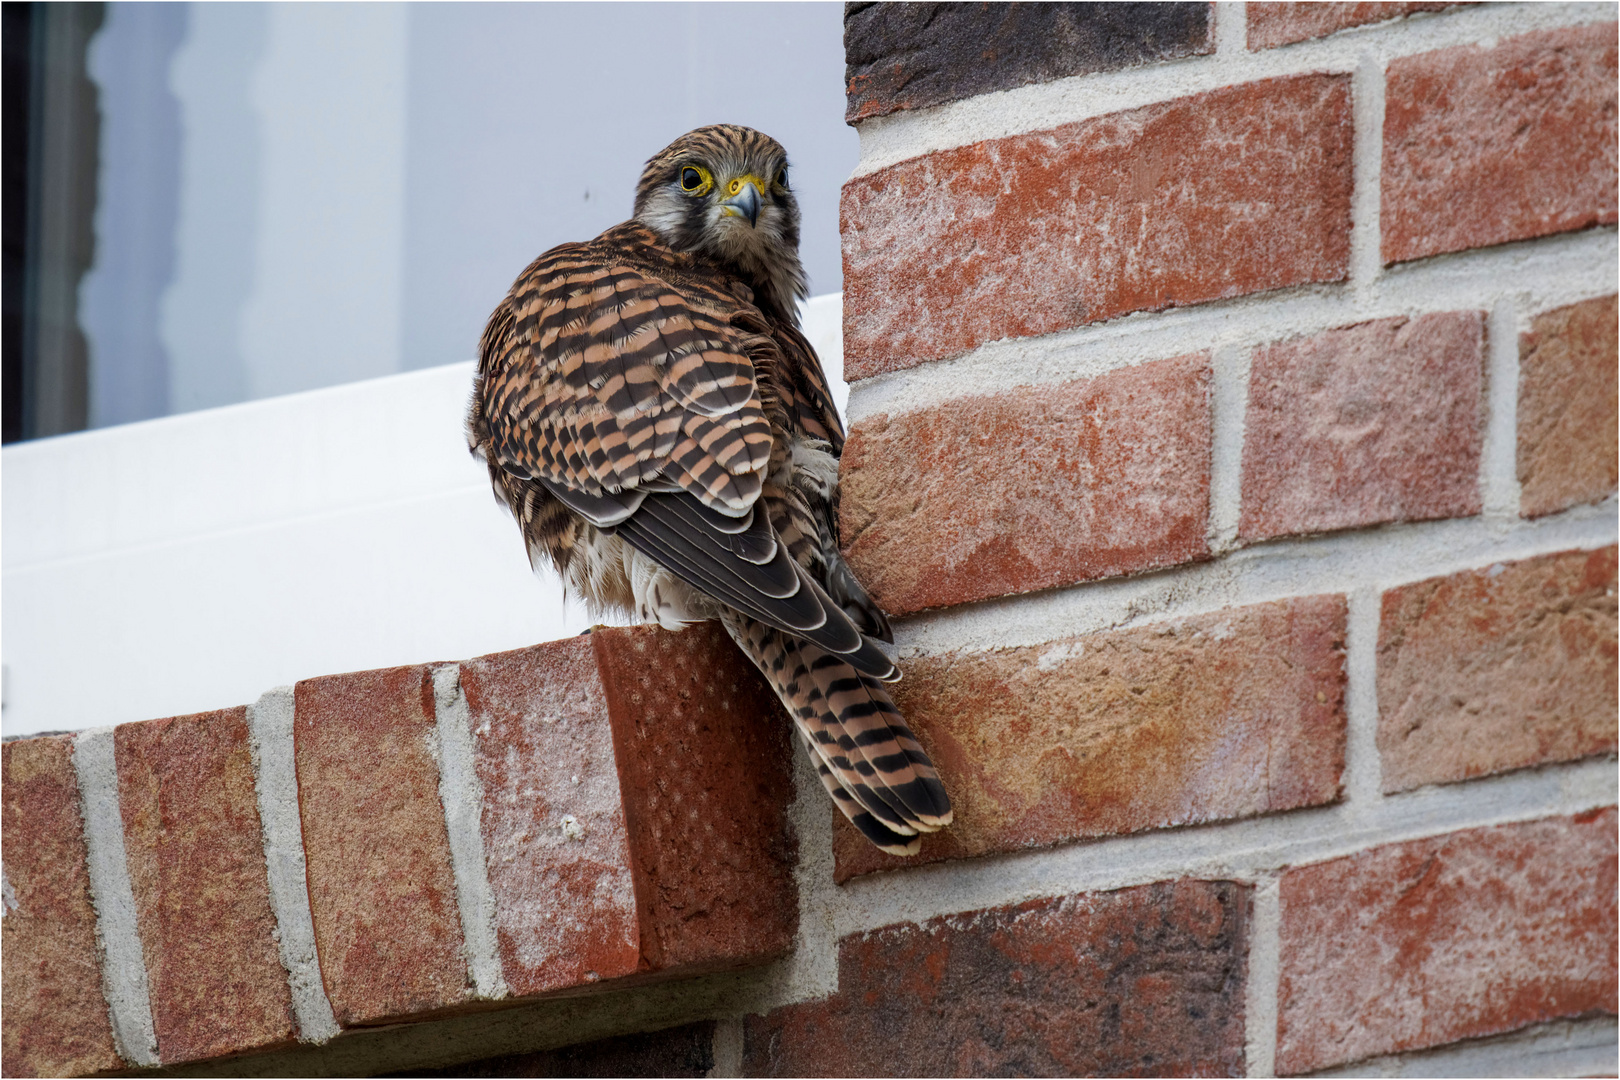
{"type": "Point", "coordinates": [294, 196]}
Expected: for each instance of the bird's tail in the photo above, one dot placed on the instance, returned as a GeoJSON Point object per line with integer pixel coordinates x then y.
{"type": "Point", "coordinates": [868, 759]}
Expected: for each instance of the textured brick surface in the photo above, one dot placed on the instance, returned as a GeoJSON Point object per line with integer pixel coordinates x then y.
{"type": "Point", "coordinates": [1365, 424]}
{"type": "Point", "coordinates": [910, 56]}
{"type": "Point", "coordinates": [1483, 146]}
{"type": "Point", "coordinates": [680, 1051]}
{"type": "Point", "coordinates": [1452, 937]}
{"type": "Point", "coordinates": [1497, 668]}
{"type": "Point", "coordinates": [706, 766]}
{"type": "Point", "coordinates": [380, 885]}
{"type": "Point", "coordinates": [1145, 981]}
{"type": "Point", "coordinates": [196, 860]}
{"type": "Point", "coordinates": [636, 785]}
{"type": "Point", "coordinates": [1569, 407]}
{"type": "Point", "coordinates": [56, 1021]}
{"type": "Point", "coordinates": [1221, 194]}
{"type": "Point", "coordinates": [1035, 487]}
{"type": "Point", "coordinates": [1270, 25]}
{"type": "Point", "coordinates": [554, 833]}
{"type": "Point", "coordinates": [1219, 716]}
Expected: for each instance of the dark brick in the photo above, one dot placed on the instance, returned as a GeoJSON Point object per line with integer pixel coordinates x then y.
{"type": "Point", "coordinates": [910, 56]}
{"type": "Point", "coordinates": [1143, 981]}
{"type": "Point", "coordinates": [679, 1051]}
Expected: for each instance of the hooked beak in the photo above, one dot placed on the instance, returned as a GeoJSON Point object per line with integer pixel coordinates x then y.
{"type": "Point", "coordinates": [744, 200]}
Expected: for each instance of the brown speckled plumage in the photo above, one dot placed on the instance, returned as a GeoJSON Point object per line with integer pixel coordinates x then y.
{"type": "Point", "coordinates": [664, 435]}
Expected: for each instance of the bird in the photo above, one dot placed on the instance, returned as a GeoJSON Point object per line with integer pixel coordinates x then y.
{"type": "Point", "coordinates": [663, 433]}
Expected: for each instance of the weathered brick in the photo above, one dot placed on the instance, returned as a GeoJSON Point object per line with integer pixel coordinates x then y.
{"type": "Point", "coordinates": [672, 759]}
{"type": "Point", "coordinates": [1569, 407]}
{"type": "Point", "coordinates": [1496, 669]}
{"type": "Point", "coordinates": [543, 748]}
{"type": "Point", "coordinates": [1274, 24]}
{"type": "Point", "coordinates": [687, 1050]}
{"type": "Point", "coordinates": [1452, 937]}
{"type": "Point", "coordinates": [1208, 718]}
{"type": "Point", "coordinates": [196, 861]}
{"type": "Point", "coordinates": [381, 890]}
{"type": "Point", "coordinates": [56, 1021]}
{"type": "Point", "coordinates": [911, 56]}
{"type": "Point", "coordinates": [1144, 981]}
{"type": "Point", "coordinates": [1365, 424]}
{"type": "Point", "coordinates": [706, 763]}
{"type": "Point", "coordinates": [1235, 191]}
{"type": "Point", "coordinates": [1483, 146]}
{"type": "Point", "coordinates": [1031, 488]}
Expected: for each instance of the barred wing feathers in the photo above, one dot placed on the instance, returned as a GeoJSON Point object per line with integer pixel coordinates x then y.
{"type": "Point", "coordinates": [867, 758]}
{"type": "Point", "coordinates": [647, 398]}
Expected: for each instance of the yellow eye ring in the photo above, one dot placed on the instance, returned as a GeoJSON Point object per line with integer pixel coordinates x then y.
{"type": "Point", "coordinates": [695, 179]}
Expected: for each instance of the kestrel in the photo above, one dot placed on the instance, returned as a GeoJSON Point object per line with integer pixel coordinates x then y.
{"type": "Point", "coordinates": [663, 433]}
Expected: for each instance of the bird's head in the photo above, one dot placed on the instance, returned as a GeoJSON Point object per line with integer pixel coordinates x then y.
{"type": "Point", "coordinates": [722, 191]}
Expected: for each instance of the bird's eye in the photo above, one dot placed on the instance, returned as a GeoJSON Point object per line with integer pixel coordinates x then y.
{"type": "Point", "coordinates": [691, 179]}
{"type": "Point", "coordinates": [781, 177]}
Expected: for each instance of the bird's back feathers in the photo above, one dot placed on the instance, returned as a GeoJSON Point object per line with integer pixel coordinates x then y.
{"type": "Point", "coordinates": [635, 402]}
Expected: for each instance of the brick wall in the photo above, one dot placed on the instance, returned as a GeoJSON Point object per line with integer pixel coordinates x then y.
{"type": "Point", "coordinates": [1233, 435]}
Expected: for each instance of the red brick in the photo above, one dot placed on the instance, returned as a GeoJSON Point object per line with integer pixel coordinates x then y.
{"type": "Point", "coordinates": [56, 1021]}
{"type": "Point", "coordinates": [1453, 937]}
{"type": "Point", "coordinates": [706, 764]}
{"type": "Point", "coordinates": [1031, 488]}
{"type": "Point", "coordinates": [1569, 407]}
{"type": "Point", "coordinates": [672, 757]}
{"type": "Point", "coordinates": [1271, 25]}
{"type": "Point", "coordinates": [1496, 669]}
{"type": "Point", "coordinates": [195, 852]}
{"type": "Point", "coordinates": [1217, 195]}
{"type": "Point", "coordinates": [1144, 981]}
{"type": "Point", "coordinates": [1365, 424]}
{"type": "Point", "coordinates": [1483, 146]}
{"type": "Point", "coordinates": [565, 904]}
{"type": "Point", "coordinates": [383, 897]}
{"type": "Point", "coordinates": [1209, 718]}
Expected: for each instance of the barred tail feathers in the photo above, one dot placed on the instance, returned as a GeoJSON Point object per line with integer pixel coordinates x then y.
{"type": "Point", "coordinates": [866, 756]}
